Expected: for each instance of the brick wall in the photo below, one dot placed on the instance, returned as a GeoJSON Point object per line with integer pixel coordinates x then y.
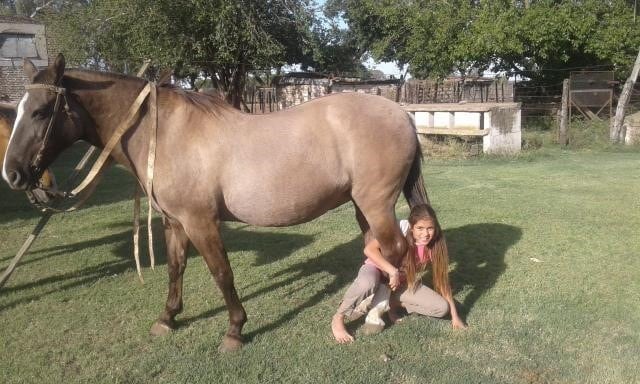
{"type": "Point", "coordinates": [12, 82]}
{"type": "Point", "coordinates": [296, 90]}
{"type": "Point", "coordinates": [454, 90]}
{"type": "Point", "coordinates": [385, 89]}
{"type": "Point", "coordinates": [53, 48]}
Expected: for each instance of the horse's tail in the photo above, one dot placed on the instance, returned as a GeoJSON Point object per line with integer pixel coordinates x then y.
{"type": "Point", "coordinates": [414, 190]}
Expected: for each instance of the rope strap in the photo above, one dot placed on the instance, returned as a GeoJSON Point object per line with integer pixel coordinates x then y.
{"type": "Point", "coordinates": [52, 88]}
{"type": "Point", "coordinates": [115, 139]}
{"type": "Point", "coordinates": [151, 159]}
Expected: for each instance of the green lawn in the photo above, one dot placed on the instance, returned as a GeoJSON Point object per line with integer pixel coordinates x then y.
{"type": "Point", "coordinates": [74, 311]}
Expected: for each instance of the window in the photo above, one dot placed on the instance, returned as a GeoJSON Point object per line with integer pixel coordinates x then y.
{"type": "Point", "coordinates": [13, 45]}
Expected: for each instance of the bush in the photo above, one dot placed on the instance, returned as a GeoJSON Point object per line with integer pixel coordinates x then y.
{"type": "Point", "coordinates": [448, 147]}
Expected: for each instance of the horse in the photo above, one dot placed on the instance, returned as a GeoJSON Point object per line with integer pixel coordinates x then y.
{"type": "Point", "coordinates": [215, 163]}
{"type": "Point", "coordinates": [7, 118]}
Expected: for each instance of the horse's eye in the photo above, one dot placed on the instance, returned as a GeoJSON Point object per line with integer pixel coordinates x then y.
{"type": "Point", "coordinates": [39, 114]}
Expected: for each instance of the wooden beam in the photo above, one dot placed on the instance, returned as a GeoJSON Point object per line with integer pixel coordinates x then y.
{"type": "Point", "coordinates": [455, 107]}
{"type": "Point", "coordinates": [424, 130]}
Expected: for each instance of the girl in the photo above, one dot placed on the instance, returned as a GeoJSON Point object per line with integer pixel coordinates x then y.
{"type": "Point", "coordinates": [425, 245]}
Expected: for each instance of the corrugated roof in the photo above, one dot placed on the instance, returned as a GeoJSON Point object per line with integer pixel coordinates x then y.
{"type": "Point", "coordinates": [18, 20]}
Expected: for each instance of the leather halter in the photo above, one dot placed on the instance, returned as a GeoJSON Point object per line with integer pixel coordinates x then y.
{"type": "Point", "coordinates": [36, 166]}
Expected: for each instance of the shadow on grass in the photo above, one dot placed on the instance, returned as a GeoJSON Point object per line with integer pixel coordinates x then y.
{"type": "Point", "coordinates": [285, 244]}
{"type": "Point", "coordinates": [342, 262]}
{"type": "Point", "coordinates": [116, 185]}
{"type": "Point", "coordinates": [478, 251]}
{"type": "Point", "coordinates": [477, 254]}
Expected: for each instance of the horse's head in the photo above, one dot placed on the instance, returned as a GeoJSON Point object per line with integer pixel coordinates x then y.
{"type": "Point", "coordinates": [44, 126]}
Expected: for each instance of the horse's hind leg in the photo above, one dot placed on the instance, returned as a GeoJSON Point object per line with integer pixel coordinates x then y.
{"type": "Point", "coordinates": [364, 225]}
{"type": "Point", "coordinates": [379, 221]}
{"type": "Point", "coordinates": [177, 247]}
{"type": "Point", "coordinates": [206, 238]}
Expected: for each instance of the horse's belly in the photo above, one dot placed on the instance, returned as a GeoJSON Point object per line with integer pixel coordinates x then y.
{"type": "Point", "coordinates": [283, 209]}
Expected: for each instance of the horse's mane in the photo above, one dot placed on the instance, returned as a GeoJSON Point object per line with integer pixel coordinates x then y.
{"type": "Point", "coordinates": [209, 104]}
{"type": "Point", "coordinates": [87, 73]}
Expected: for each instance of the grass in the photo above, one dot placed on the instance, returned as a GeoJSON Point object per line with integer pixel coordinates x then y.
{"type": "Point", "coordinates": [74, 310]}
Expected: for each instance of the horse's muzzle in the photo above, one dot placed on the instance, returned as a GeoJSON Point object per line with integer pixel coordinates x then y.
{"type": "Point", "coordinates": [17, 180]}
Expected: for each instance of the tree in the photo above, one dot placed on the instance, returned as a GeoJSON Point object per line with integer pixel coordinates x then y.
{"type": "Point", "coordinates": [543, 39]}
{"type": "Point", "coordinates": [334, 51]}
{"type": "Point", "coordinates": [222, 40]}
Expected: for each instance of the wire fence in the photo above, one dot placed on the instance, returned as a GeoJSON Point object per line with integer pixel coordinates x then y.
{"type": "Point", "coordinates": [541, 104]}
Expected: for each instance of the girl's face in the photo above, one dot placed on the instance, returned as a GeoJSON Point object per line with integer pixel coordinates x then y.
{"type": "Point", "coordinates": [423, 231]}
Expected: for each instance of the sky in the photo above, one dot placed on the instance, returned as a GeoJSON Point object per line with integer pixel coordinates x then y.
{"type": "Point", "coordinates": [386, 67]}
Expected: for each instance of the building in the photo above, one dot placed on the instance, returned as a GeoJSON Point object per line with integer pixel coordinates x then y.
{"type": "Point", "coordinates": [19, 37]}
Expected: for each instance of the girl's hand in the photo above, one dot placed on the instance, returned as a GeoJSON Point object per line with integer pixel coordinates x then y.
{"type": "Point", "coordinates": [457, 323]}
{"type": "Point", "coordinates": [394, 280]}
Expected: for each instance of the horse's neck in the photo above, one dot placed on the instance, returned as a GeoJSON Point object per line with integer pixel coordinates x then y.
{"type": "Point", "coordinates": [107, 104]}
{"type": "Point", "coordinates": [107, 99]}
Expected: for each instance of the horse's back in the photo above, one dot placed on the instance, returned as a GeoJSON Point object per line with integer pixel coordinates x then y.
{"type": "Point", "coordinates": [290, 167]}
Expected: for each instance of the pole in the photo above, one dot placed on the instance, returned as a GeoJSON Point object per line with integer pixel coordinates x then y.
{"type": "Point", "coordinates": [616, 122]}
{"type": "Point", "coordinates": [564, 112]}
{"type": "Point", "coordinates": [25, 247]}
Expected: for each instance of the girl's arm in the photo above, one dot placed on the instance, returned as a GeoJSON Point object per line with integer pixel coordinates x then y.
{"type": "Point", "coordinates": [374, 253]}
{"type": "Point", "coordinates": [456, 321]}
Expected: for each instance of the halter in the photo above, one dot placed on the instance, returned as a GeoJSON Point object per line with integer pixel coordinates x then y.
{"type": "Point", "coordinates": [36, 166]}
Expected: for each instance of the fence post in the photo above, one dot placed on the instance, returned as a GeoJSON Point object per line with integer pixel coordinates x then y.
{"type": "Point", "coordinates": [563, 138]}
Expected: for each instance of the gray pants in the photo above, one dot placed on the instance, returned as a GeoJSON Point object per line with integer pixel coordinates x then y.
{"type": "Point", "coordinates": [423, 300]}
{"type": "Point", "coordinates": [363, 286]}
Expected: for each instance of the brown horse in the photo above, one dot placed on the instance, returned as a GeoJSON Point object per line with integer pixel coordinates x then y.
{"type": "Point", "coordinates": [7, 118]}
{"type": "Point", "coordinates": [217, 164]}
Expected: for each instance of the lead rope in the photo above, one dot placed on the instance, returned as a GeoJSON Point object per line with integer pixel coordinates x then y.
{"type": "Point", "coordinates": [115, 139]}
{"type": "Point", "coordinates": [151, 159]}
{"type": "Point", "coordinates": [136, 231]}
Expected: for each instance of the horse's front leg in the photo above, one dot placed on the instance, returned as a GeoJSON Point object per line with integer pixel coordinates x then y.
{"type": "Point", "coordinates": [177, 247]}
{"type": "Point", "coordinates": [206, 238]}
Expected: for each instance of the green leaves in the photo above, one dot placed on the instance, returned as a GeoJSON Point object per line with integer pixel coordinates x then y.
{"type": "Point", "coordinates": [223, 39]}
{"type": "Point", "coordinates": [439, 37]}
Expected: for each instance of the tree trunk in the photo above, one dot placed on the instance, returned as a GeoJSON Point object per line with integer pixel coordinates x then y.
{"type": "Point", "coordinates": [616, 122]}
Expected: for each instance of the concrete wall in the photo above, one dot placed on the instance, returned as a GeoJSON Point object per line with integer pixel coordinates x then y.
{"type": "Point", "coordinates": [498, 125]}
{"type": "Point", "coordinates": [505, 133]}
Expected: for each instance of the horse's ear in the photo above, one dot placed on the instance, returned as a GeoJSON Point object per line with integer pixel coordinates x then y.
{"type": "Point", "coordinates": [58, 67]}
{"type": "Point", "coordinates": [30, 70]}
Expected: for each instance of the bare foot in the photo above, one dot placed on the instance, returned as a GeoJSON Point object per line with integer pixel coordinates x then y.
{"type": "Point", "coordinates": [339, 331]}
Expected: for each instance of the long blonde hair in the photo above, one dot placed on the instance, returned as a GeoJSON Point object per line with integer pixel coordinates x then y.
{"type": "Point", "coordinates": [438, 248]}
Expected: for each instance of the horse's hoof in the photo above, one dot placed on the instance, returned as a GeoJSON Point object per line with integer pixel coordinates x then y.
{"type": "Point", "coordinates": [160, 329]}
{"type": "Point", "coordinates": [230, 344]}
{"type": "Point", "coordinates": [372, 329]}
